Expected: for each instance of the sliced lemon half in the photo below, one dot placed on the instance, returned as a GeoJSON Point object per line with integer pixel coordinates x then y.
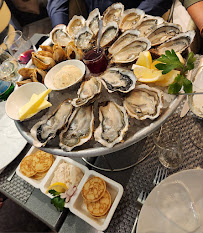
{"type": "Point", "coordinates": [168, 78]}
{"type": "Point", "coordinates": [147, 75]}
{"type": "Point", "coordinates": [58, 186]}
{"type": "Point", "coordinates": [144, 59]}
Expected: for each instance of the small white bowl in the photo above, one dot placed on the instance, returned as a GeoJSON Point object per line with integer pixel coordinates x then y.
{"type": "Point", "coordinates": [21, 96]}
{"type": "Point", "coordinates": [49, 78]}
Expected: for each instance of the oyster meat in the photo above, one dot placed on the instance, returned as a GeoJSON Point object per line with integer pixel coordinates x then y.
{"type": "Point", "coordinates": [163, 32]}
{"type": "Point", "coordinates": [79, 128]}
{"type": "Point", "coordinates": [74, 25]}
{"type": "Point", "coordinates": [113, 124]}
{"type": "Point", "coordinates": [93, 21]}
{"type": "Point", "coordinates": [131, 51]}
{"type": "Point", "coordinates": [87, 91]}
{"type": "Point", "coordinates": [59, 35]}
{"type": "Point", "coordinates": [83, 38]}
{"type": "Point", "coordinates": [131, 18]}
{"type": "Point", "coordinates": [109, 33]}
{"type": "Point", "coordinates": [126, 38]}
{"type": "Point", "coordinates": [46, 129]}
{"type": "Point", "coordinates": [178, 43]}
{"type": "Point", "coordinates": [148, 24]}
{"type": "Point", "coordinates": [118, 79]}
{"type": "Point", "coordinates": [144, 102]}
{"type": "Point", "coordinates": [113, 13]}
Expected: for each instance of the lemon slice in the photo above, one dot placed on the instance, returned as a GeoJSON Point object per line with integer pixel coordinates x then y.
{"type": "Point", "coordinates": [58, 186]}
{"type": "Point", "coordinates": [144, 59]}
{"type": "Point", "coordinates": [168, 78]}
{"type": "Point", "coordinates": [147, 75]}
{"type": "Point", "coordinates": [154, 63]}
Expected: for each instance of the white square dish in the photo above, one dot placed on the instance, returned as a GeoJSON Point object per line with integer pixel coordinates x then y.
{"type": "Point", "coordinates": [78, 206]}
{"type": "Point", "coordinates": [33, 182]}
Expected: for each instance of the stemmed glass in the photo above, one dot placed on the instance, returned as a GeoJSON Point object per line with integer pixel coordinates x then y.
{"type": "Point", "coordinates": [19, 47]}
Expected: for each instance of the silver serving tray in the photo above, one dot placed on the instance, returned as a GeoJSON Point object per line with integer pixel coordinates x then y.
{"type": "Point", "coordinates": [92, 148]}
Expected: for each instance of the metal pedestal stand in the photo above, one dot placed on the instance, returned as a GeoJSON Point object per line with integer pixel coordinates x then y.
{"type": "Point", "coordinates": [128, 157]}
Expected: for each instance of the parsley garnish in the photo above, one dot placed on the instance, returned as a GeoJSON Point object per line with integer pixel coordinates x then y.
{"type": "Point", "coordinates": [170, 61]}
{"type": "Point", "coordinates": [57, 201]}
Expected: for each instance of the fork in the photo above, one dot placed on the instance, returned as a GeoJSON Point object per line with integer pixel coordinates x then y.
{"type": "Point", "coordinates": [161, 173]}
{"type": "Point", "coordinates": [140, 201]}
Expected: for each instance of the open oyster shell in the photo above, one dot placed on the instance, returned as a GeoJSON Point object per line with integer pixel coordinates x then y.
{"type": "Point", "coordinates": [42, 62]}
{"type": "Point", "coordinates": [126, 38]}
{"type": "Point", "coordinates": [59, 35]}
{"type": "Point", "coordinates": [83, 38]}
{"type": "Point", "coordinates": [131, 51]}
{"type": "Point", "coordinates": [46, 129]}
{"type": "Point", "coordinates": [74, 25]}
{"type": "Point", "coordinates": [109, 33]}
{"type": "Point", "coordinates": [113, 124]}
{"type": "Point", "coordinates": [178, 43]}
{"type": "Point", "coordinates": [149, 23]}
{"type": "Point", "coordinates": [118, 79]}
{"type": "Point", "coordinates": [144, 102]}
{"type": "Point", "coordinates": [131, 18]}
{"type": "Point", "coordinates": [93, 21]}
{"type": "Point", "coordinates": [79, 128]}
{"type": "Point", "coordinates": [113, 13]}
{"type": "Point", "coordinates": [163, 32]}
{"type": "Point", "coordinates": [87, 91]}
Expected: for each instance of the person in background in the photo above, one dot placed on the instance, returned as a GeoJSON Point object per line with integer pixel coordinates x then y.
{"type": "Point", "coordinates": [59, 11]}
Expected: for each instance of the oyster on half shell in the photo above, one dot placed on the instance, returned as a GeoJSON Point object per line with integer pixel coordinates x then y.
{"type": "Point", "coordinates": [131, 51]}
{"type": "Point", "coordinates": [126, 38]}
{"type": "Point", "coordinates": [83, 38]}
{"type": "Point", "coordinates": [118, 79]}
{"type": "Point", "coordinates": [74, 25]}
{"type": "Point", "coordinates": [131, 18]}
{"type": "Point", "coordinates": [87, 91]}
{"type": "Point", "coordinates": [79, 128]}
{"type": "Point", "coordinates": [163, 32]}
{"type": "Point", "coordinates": [59, 35]}
{"type": "Point", "coordinates": [46, 129]}
{"type": "Point", "coordinates": [113, 13]}
{"type": "Point", "coordinates": [109, 33]}
{"type": "Point", "coordinates": [113, 124]}
{"type": "Point", "coordinates": [144, 102]}
{"type": "Point", "coordinates": [93, 21]}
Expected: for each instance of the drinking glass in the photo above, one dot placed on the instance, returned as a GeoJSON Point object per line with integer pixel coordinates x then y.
{"type": "Point", "coordinates": [96, 61]}
{"type": "Point", "coordinates": [19, 47]}
{"type": "Point", "coordinates": [168, 144]}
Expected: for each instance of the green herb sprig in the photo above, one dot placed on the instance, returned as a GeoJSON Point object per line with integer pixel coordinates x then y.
{"type": "Point", "coordinates": [57, 201]}
{"type": "Point", "coordinates": [170, 61]}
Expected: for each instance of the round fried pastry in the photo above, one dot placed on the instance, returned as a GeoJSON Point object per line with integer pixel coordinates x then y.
{"type": "Point", "coordinates": [42, 161]}
{"type": "Point", "coordinates": [93, 189]}
{"type": "Point", "coordinates": [26, 167]}
{"type": "Point", "coordinates": [100, 207]}
{"type": "Point", "coordinates": [39, 175]}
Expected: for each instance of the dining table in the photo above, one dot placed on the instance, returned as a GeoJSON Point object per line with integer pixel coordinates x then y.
{"type": "Point", "coordinates": [134, 179]}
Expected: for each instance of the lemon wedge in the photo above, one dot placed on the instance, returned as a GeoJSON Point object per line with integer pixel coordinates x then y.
{"type": "Point", "coordinates": [147, 75]}
{"type": "Point", "coordinates": [168, 78]}
{"type": "Point", "coordinates": [58, 186]}
{"type": "Point", "coordinates": [144, 59]}
{"type": "Point", "coordinates": [155, 62]}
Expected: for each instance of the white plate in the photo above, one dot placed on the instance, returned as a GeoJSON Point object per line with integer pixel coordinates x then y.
{"type": "Point", "coordinates": [35, 183]}
{"type": "Point", "coordinates": [11, 141]}
{"type": "Point", "coordinates": [76, 204]}
{"type": "Point", "coordinates": [151, 220]}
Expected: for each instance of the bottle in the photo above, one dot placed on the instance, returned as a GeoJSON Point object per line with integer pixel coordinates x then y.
{"type": "Point", "coordinates": [6, 88]}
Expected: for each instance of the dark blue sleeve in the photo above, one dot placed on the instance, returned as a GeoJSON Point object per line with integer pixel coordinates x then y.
{"type": "Point", "coordinates": [155, 7]}
{"type": "Point", "coordinates": [58, 11]}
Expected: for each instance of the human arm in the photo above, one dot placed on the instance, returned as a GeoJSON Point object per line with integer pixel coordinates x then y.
{"type": "Point", "coordinates": [58, 11]}
{"type": "Point", "coordinates": [195, 9]}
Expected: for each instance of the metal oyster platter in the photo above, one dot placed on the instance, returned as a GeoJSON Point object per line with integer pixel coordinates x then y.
{"type": "Point", "coordinates": [136, 126]}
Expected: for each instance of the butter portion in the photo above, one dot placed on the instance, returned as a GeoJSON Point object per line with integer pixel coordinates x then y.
{"type": "Point", "coordinates": [36, 104]}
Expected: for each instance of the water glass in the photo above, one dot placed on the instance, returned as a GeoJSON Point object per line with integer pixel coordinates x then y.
{"type": "Point", "coordinates": [19, 47]}
{"type": "Point", "coordinates": [169, 147]}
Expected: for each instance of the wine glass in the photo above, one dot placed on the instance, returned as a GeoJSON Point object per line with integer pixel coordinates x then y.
{"type": "Point", "coordinates": [19, 47]}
